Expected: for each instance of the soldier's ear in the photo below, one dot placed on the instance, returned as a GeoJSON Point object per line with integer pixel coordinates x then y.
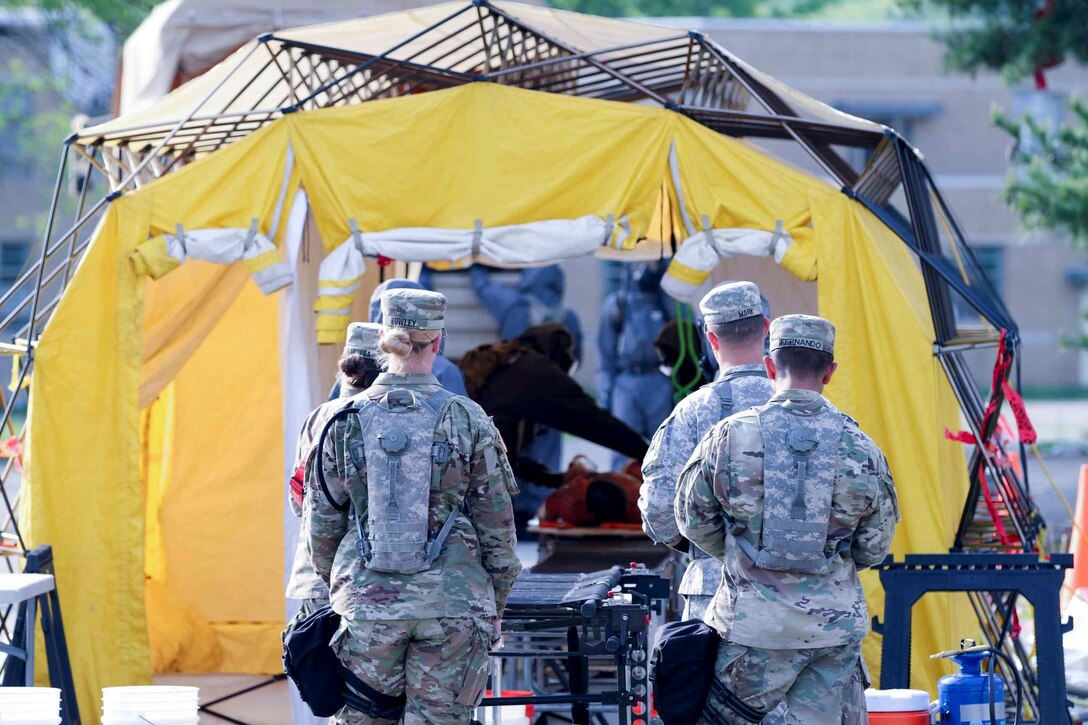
{"type": "Point", "coordinates": [711, 338]}
{"type": "Point", "coordinates": [830, 371]}
{"type": "Point", "coordinates": [772, 371]}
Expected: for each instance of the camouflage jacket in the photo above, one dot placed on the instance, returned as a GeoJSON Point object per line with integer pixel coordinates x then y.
{"type": "Point", "coordinates": [779, 610]}
{"type": "Point", "coordinates": [304, 583]}
{"type": "Point", "coordinates": [670, 449]}
{"type": "Point", "coordinates": [478, 563]}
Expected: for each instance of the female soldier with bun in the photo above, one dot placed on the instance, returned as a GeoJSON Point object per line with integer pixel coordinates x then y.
{"type": "Point", "coordinates": [413, 530]}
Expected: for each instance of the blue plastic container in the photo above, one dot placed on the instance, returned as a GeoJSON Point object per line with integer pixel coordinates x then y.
{"type": "Point", "coordinates": [964, 698]}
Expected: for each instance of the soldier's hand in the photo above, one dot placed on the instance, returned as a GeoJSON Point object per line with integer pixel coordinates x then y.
{"type": "Point", "coordinates": [496, 624]}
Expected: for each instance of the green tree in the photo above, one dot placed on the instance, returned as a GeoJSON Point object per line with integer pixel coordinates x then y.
{"type": "Point", "coordinates": [1048, 188]}
{"type": "Point", "coordinates": [1012, 37]}
{"type": "Point", "coordinates": [121, 15]}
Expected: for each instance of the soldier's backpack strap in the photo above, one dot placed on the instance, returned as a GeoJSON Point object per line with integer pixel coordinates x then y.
{"type": "Point", "coordinates": [339, 415]}
{"type": "Point", "coordinates": [723, 387]}
{"type": "Point", "coordinates": [440, 402]}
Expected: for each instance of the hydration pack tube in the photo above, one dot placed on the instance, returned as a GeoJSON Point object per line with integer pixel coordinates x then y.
{"type": "Point", "coordinates": [344, 413]}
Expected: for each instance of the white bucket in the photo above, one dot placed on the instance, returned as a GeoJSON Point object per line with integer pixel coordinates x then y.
{"type": "Point", "coordinates": [29, 706]}
{"type": "Point", "coordinates": [149, 720]}
{"type": "Point", "coordinates": [161, 705]}
{"type": "Point", "coordinates": [45, 696]}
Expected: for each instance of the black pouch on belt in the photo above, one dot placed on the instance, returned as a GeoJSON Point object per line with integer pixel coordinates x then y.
{"type": "Point", "coordinates": [682, 670]}
{"type": "Point", "coordinates": [322, 681]}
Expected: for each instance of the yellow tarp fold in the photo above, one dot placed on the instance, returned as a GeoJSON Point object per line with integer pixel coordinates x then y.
{"type": "Point", "coordinates": [482, 151]}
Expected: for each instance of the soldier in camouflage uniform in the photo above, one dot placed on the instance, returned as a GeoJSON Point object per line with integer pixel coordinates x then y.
{"type": "Point", "coordinates": [794, 498]}
{"type": "Point", "coordinates": [423, 635]}
{"type": "Point", "coordinates": [304, 584]}
{"type": "Point", "coordinates": [735, 331]}
{"type": "Point", "coordinates": [306, 591]}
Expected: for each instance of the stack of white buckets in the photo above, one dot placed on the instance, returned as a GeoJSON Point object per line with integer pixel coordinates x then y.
{"type": "Point", "coordinates": [149, 705]}
{"type": "Point", "coordinates": [29, 706]}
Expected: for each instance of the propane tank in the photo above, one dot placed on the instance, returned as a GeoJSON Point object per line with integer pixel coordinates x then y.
{"type": "Point", "coordinates": [964, 698]}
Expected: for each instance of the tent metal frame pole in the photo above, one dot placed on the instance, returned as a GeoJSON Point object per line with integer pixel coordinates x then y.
{"type": "Point", "coordinates": [590, 60]}
{"type": "Point", "coordinates": [832, 163]}
{"type": "Point", "coordinates": [382, 56]}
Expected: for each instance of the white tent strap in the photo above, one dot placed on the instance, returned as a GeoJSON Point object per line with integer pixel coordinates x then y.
{"type": "Point", "coordinates": [339, 277]}
{"type": "Point", "coordinates": [689, 273]}
{"type": "Point", "coordinates": [518, 244]}
{"type": "Point", "coordinates": [230, 245]}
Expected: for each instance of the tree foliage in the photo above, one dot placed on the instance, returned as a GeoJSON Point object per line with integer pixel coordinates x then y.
{"type": "Point", "coordinates": [121, 15]}
{"type": "Point", "coordinates": [1013, 37]}
{"type": "Point", "coordinates": [1049, 188]}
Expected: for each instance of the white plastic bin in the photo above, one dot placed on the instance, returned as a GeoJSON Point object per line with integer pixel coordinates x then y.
{"type": "Point", "coordinates": [162, 705]}
{"type": "Point", "coordinates": [29, 706]}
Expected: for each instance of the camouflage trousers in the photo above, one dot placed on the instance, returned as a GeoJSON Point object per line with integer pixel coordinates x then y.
{"type": "Point", "coordinates": [441, 665]}
{"type": "Point", "coordinates": [812, 683]}
{"type": "Point", "coordinates": [695, 606]}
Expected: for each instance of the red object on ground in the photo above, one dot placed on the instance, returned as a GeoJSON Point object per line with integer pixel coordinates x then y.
{"type": "Point", "coordinates": [1077, 577]}
{"type": "Point", "coordinates": [567, 506]}
{"type": "Point", "coordinates": [899, 718]}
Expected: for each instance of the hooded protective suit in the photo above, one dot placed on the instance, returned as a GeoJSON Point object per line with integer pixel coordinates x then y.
{"type": "Point", "coordinates": [630, 381]}
{"type": "Point", "coordinates": [537, 299]}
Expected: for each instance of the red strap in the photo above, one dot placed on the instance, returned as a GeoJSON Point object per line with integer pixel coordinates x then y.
{"type": "Point", "coordinates": [297, 484]}
{"type": "Point", "coordinates": [384, 261]}
{"type": "Point", "coordinates": [1028, 436]}
{"type": "Point", "coordinates": [962, 436]}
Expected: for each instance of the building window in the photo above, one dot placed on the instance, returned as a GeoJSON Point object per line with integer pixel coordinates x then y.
{"type": "Point", "coordinates": [12, 259]}
{"type": "Point", "coordinates": [903, 117]}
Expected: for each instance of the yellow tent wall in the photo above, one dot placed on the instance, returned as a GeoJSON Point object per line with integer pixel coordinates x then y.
{"type": "Point", "coordinates": [200, 342]}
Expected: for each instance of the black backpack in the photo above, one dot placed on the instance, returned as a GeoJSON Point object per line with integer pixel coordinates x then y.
{"type": "Point", "coordinates": [320, 678]}
{"type": "Point", "coordinates": [682, 670]}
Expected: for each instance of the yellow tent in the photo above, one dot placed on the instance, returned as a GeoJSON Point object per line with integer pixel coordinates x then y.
{"type": "Point", "coordinates": [168, 389]}
{"type": "Point", "coordinates": [160, 408]}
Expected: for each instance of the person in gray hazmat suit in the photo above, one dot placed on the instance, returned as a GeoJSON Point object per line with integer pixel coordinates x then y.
{"type": "Point", "coordinates": [306, 593]}
{"type": "Point", "coordinates": [630, 382]}
{"type": "Point", "coordinates": [411, 526]}
{"type": "Point", "coordinates": [793, 498]}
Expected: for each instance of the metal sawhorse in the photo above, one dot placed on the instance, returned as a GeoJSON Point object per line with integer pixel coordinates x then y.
{"type": "Point", "coordinates": [19, 668]}
{"type": "Point", "coordinates": [1036, 580]}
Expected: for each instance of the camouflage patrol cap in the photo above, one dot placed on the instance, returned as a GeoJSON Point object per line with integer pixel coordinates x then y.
{"type": "Point", "coordinates": [731, 301]}
{"type": "Point", "coordinates": [808, 331]}
{"type": "Point", "coordinates": [419, 309]}
{"type": "Point", "coordinates": [362, 339]}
